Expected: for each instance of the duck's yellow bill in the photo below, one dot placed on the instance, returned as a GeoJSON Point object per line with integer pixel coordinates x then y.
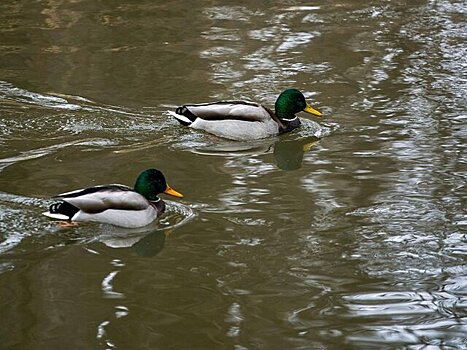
{"type": "Point", "coordinates": [313, 111]}
{"type": "Point", "coordinates": [172, 192]}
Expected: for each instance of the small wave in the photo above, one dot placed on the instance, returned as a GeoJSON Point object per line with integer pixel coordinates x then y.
{"type": "Point", "coordinates": [59, 101]}
{"type": "Point", "coordinates": [44, 151]}
{"type": "Point", "coordinates": [15, 222]}
{"type": "Point", "coordinates": [19, 219]}
{"type": "Point", "coordinates": [9, 92]}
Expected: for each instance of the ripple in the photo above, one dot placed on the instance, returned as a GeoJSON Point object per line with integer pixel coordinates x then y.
{"type": "Point", "coordinates": [17, 219]}
{"type": "Point", "coordinates": [291, 41]}
{"type": "Point", "coordinates": [88, 116]}
{"type": "Point", "coordinates": [302, 8]}
{"type": "Point", "coordinates": [10, 92]}
{"type": "Point", "coordinates": [439, 333]}
{"type": "Point", "coordinates": [232, 13]}
{"type": "Point", "coordinates": [389, 305]}
{"type": "Point", "coordinates": [107, 287]}
{"type": "Point", "coordinates": [45, 151]}
{"type": "Point", "coordinates": [16, 225]}
{"type": "Point", "coordinates": [235, 318]}
{"type": "Point", "coordinates": [218, 51]}
{"type": "Point", "coordinates": [264, 34]}
{"type": "Point", "coordinates": [225, 34]}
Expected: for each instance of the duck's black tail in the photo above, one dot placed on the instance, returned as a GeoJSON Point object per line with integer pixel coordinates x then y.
{"type": "Point", "coordinates": [61, 211]}
{"type": "Point", "coordinates": [183, 115]}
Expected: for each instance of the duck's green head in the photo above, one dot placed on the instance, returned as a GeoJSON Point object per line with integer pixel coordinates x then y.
{"type": "Point", "coordinates": [151, 182]}
{"type": "Point", "coordinates": [292, 101]}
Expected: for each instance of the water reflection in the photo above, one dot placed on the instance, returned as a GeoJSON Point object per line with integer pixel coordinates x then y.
{"type": "Point", "coordinates": [146, 241]}
{"type": "Point", "coordinates": [289, 153]}
{"type": "Point", "coordinates": [145, 244]}
{"type": "Point", "coordinates": [265, 61]}
{"type": "Point", "coordinates": [151, 245]}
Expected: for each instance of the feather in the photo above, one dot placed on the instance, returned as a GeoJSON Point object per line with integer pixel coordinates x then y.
{"type": "Point", "coordinates": [99, 198]}
{"type": "Point", "coordinates": [56, 216]}
{"type": "Point", "coordinates": [180, 118]}
{"type": "Point", "coordinates": [229, 110]}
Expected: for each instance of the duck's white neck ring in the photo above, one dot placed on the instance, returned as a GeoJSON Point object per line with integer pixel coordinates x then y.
{"type": "Point", "coordinates": [289, 120]}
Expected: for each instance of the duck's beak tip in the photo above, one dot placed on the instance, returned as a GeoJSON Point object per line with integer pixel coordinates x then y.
{"type": "Point", "coordinates": [311, 110]}
{"type": "Point", "coordinates": [169, 190]}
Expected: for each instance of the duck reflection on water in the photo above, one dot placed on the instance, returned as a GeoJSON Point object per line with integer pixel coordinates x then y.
{"type": "Point", "coordinates": [288, 153]}
{"type": "Point", "coordinates": [147, 244]}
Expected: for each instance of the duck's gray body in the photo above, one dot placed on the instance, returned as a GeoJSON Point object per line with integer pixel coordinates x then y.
{"type": "Point", "coordinates": [235, 120]}
{"type": "Point", "coordinates": [112, 204]}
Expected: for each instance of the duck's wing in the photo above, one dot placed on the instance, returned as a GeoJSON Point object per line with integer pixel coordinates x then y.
{"type": "Point", "coordinates": [225, 110]}
{"type": "Point", "coordinates": [99, 198]}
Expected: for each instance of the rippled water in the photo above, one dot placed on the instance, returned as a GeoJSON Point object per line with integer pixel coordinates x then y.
{"type": "Point", "coordinates": [350, 233]}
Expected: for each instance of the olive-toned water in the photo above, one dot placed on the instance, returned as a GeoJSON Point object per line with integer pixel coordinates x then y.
{"type": "Point", "coordinates": [347, 235]}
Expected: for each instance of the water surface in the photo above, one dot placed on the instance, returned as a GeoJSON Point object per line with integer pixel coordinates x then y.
{"type": "Point", "coordinates": [347, 234]}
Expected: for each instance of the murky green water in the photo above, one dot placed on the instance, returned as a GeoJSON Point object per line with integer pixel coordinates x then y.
{"type": "Point", "coordinates": [347, 235]}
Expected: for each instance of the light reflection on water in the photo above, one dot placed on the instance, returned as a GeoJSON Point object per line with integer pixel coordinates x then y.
{"type": "Point", "coordinates": [347, 233]}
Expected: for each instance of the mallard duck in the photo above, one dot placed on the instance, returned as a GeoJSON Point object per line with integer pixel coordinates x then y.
{"type": "Point", "coordinates": [116, 204]}
{"type": "Point", "coordinates": [242, 121]}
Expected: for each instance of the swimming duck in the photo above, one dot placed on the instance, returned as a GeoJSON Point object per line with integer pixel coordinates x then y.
{"type": "Point", "coordinates": [116, 204]}
{"type": "Point", "coordinates": [242, 120]}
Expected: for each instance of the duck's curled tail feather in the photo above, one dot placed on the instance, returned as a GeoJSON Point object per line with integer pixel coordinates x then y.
{"type": "Point", "coordinates": [61, 211]}
{"type": "Point", "coordinates": [183, 115]}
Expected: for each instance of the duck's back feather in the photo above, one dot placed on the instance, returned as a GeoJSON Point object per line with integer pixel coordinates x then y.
{"type": "Point", "coordinates": [99, 198]}
{"type": "Point", "coordinates": [226, 110]}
